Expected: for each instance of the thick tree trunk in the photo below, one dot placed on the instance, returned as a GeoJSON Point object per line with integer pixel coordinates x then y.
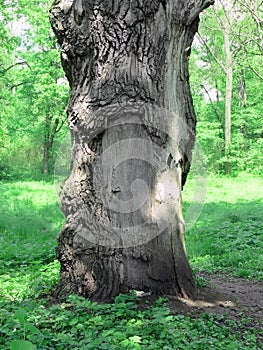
{"type": "Point", "coordinates": [132, 124]}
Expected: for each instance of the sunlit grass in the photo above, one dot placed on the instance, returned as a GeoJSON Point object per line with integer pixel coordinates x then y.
{"type": "Point", "coordinates": [29, 223]}
{"type": "Point", "coordinates": [28, 281]}
{"type": "Point", "coordinates": [228, 236]}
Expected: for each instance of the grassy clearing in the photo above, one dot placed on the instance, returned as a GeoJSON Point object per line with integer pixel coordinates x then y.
{"type": "Point", "coordinates": [227, 238]}
{"type": "Point", "coordinates": [228, 235]}
{"type": "Point", "coordinates": [29, 223]}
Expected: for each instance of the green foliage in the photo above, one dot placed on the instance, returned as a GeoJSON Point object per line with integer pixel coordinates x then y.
{"type": "Point", "coordinates": [228, 235]}
{"type": "Point", "coordinates": [20, 315]}
{"type": "Point", "coordinates": [208, 80]}
{"type": "Point", "coordinates": [35, 91]}
{"type": "Point", "coordinates": [30, 220]}
{"type": "Point", "coordinates": [80, 324]}
{"type": "Point", "coordinates": [227, 238]}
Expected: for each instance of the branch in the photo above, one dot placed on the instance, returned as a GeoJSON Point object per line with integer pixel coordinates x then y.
{"type": "Point", "coordinates": [227, 12]}
{"type": "Point", "coordinates": [251, 10]}
{"type": "Point", "coordinates": [19, 84]}
{"type": "Point", "coordinates": [211, 52]}
{"type": "Point", "coordinates": [255, 72]}
{"type": "Point", "coordinates": [258, 21]}
{"type": "Point", "coordinates": [198, 7]}
{"type": "Point", "coordinates": [60, 127]}
{"type": "Point", "coordinates": [15, 64]}
{"type": "Point", "coordinates": [211, 103]}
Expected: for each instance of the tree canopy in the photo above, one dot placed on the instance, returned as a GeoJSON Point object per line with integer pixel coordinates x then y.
{"type": "Point", "coordinates": [34, 90]}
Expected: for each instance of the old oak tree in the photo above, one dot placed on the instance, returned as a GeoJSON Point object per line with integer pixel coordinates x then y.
{"type": "Point", "coordinates": [132, 126]}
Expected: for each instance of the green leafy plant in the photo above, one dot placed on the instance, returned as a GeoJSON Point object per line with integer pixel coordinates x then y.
{"type": "Point", "coordinates": [225, 239]}
{"type": "Point", "coordinates": [23, 344]}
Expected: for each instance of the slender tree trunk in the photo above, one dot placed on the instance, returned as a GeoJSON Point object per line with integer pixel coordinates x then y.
{"type": "Point", "coordinates": [132, 124]}
{"type": "Point", "coordinates": [242, 92]}
{"type": "Point", "coordinates": [46, 149]}
{"type": "Point", "coordinates": [49, 136]}
{"type": "Point", "coordinates": [228, 96]}
{"type": "Point", "coordinates": [46, 158]}
{"type": "Point", "coordinates": [229, 86]}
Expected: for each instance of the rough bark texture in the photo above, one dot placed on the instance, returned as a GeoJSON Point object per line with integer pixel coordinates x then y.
{"type": "Point", "coordinates": [127, 64]}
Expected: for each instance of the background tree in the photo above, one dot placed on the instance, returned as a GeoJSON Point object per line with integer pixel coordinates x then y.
{"type": "Point", "coordinates": [35, 91]}
{"type": "Point", "coordinates": [211, 98]}
{"type": "Point", "coordinates": [31, 78]}
{"type": "Point", "coordinates": [7, 45]}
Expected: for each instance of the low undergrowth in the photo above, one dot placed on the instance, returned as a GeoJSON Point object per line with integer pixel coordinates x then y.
{"type": "Point", "coordinates": [80, 324]}
{"type": "Point", "coordinates": [227, 239]}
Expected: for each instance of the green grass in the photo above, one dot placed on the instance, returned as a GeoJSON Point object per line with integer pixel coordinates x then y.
{"type": "Point", "coordinates": [226, 238]}
{"type": "Point", "coordinates": [29, 223]}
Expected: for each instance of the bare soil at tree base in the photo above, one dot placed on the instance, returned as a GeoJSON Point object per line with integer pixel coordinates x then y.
{"type": "Point", "coordinates": [234, 298]}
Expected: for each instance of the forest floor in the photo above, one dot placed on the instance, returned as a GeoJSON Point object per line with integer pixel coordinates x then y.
{"type": "Point", "coordinates": [235, 297]}
{"type": "Point", "coordinates": [225, 253]}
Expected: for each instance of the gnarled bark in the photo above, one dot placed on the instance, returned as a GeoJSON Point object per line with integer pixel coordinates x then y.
{"type": "Point", "coordinates": [132, 124]}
